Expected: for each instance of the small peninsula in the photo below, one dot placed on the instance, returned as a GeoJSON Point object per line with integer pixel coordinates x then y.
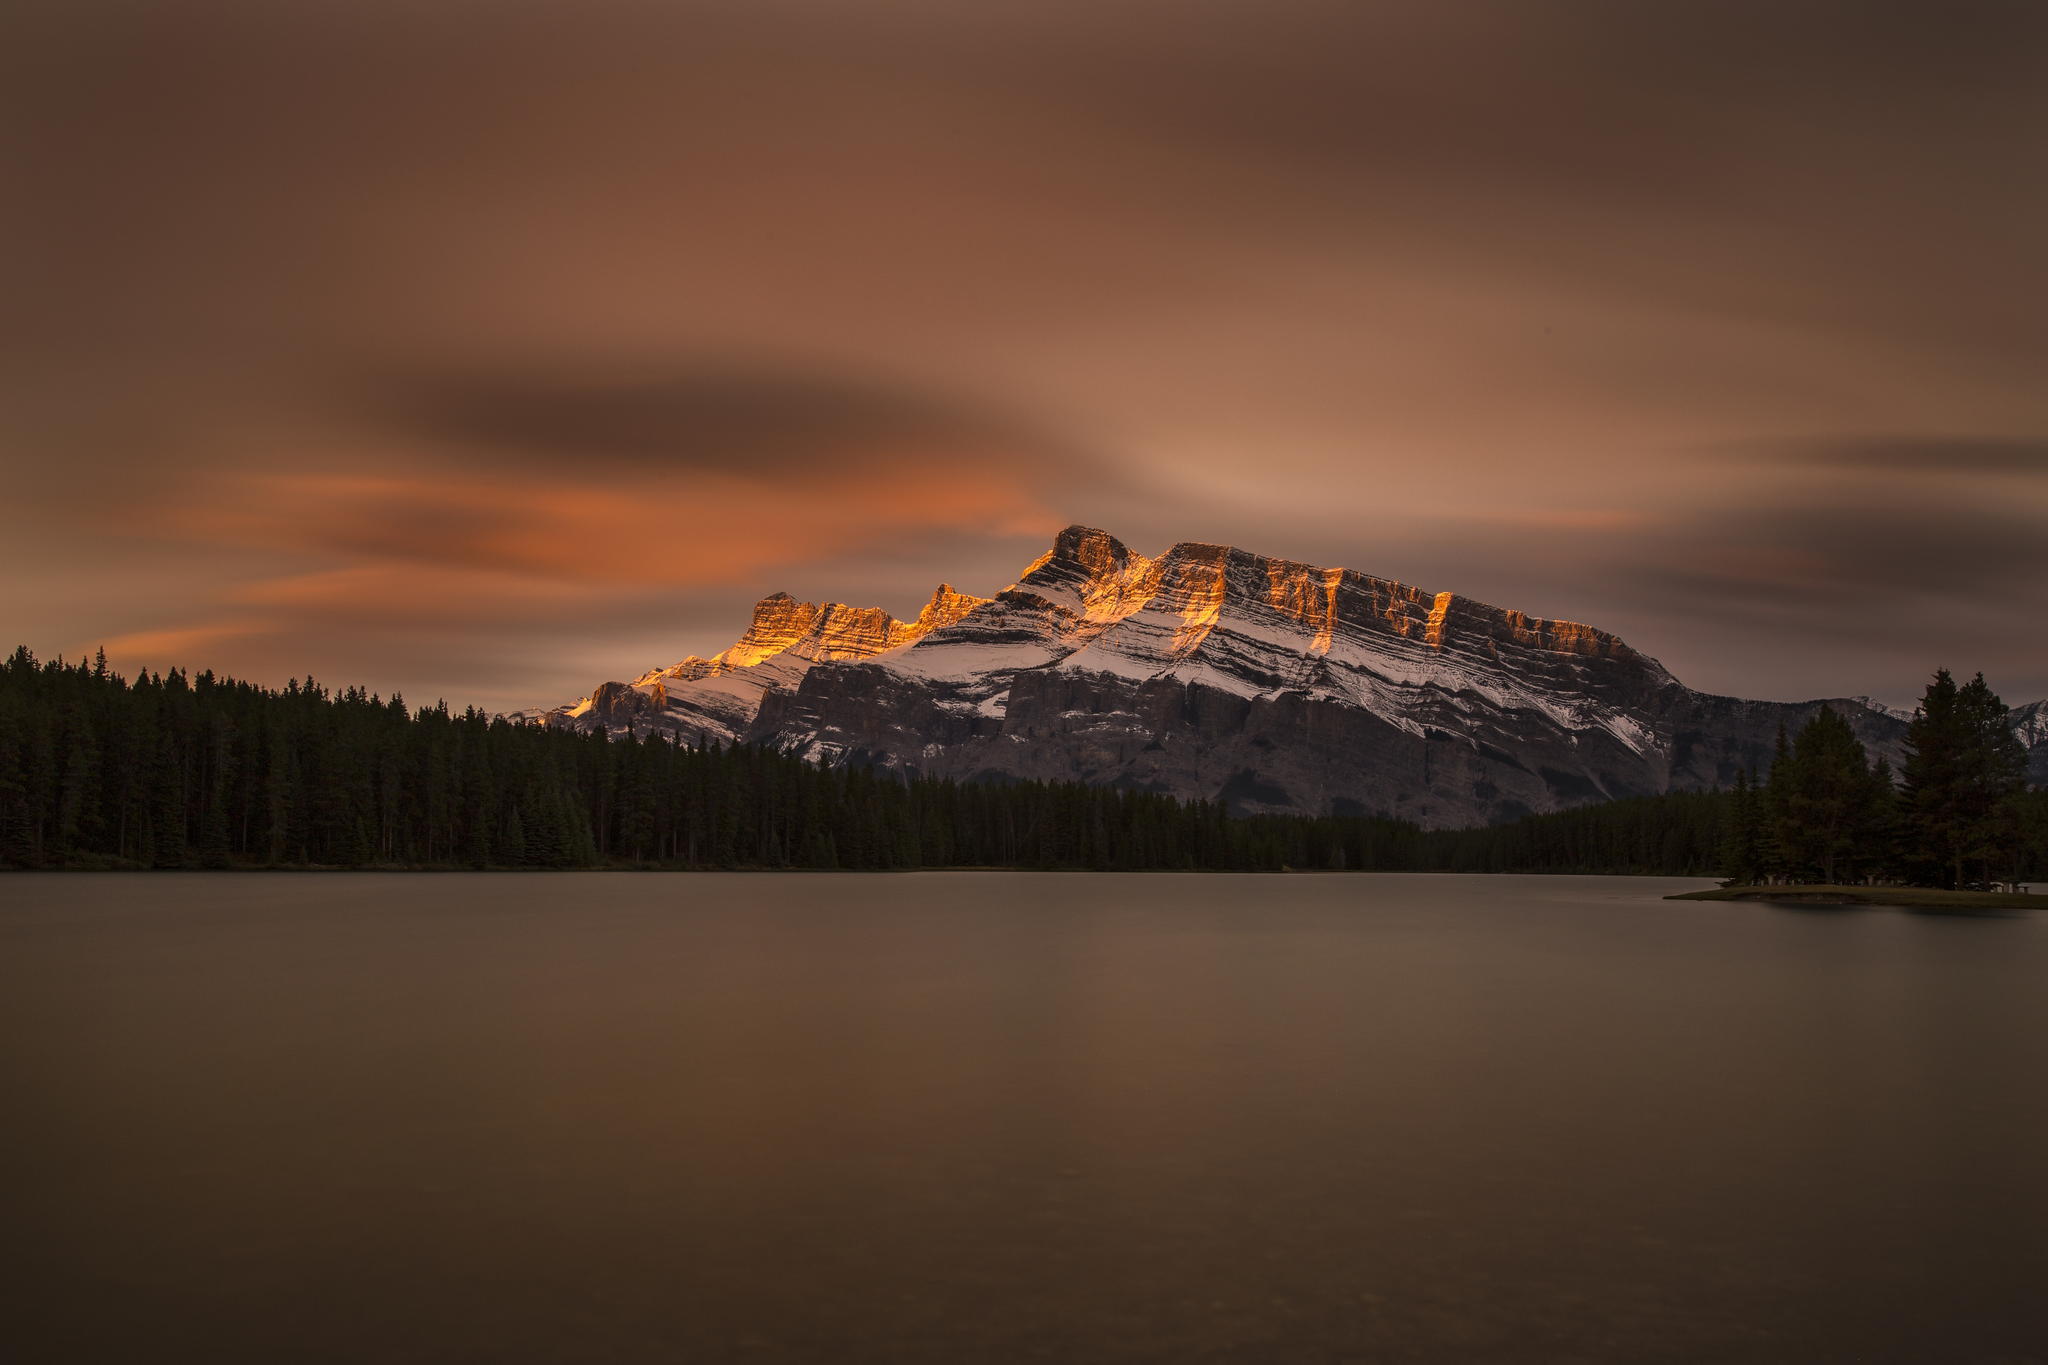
{"type": "Point", "coordinates": [1910, 897]}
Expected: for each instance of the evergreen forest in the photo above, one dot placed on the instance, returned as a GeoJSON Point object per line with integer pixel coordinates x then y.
{"type": "Point", "coordinates": [174, 770]}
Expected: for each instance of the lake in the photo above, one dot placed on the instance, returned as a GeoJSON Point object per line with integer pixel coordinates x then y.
{"type": "Point", "coordinates": [988, 1116]}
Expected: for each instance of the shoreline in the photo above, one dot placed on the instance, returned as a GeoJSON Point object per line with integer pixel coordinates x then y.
{"type": "Point", "coordinates": [1906, 897]}
{"type": "Point", "coordinates": [630, 868]}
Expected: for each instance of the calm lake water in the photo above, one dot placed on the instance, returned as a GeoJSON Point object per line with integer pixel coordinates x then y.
{"type": "Point", "coordinates": [992, 1117]}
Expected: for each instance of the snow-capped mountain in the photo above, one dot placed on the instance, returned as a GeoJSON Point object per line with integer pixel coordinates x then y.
{"type": "Point", "coordinates": [1211, 672]}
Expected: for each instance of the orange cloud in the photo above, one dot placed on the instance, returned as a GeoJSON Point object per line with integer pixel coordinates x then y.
{"type": "Point", "coordinates": [662, 530]}
{"type": "Point", "coordinates": [400, 592]}
{"type": "Point", "coordinates": [389, 560]}
{"type": "Point", "coordinates": [178, 644]}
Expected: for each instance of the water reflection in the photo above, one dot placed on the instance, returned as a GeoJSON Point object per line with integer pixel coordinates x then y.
{"type": "Point", "coordinates": [981, 1116]}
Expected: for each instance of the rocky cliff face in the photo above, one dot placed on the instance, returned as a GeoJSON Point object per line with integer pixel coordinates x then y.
{"type": "Point", "coordinates": [1210, 672]}
{"type": "Point", "coordinates": [718, 698]}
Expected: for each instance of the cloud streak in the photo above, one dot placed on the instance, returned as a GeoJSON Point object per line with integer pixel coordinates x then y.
{"type": "Point", "coordinates": [598, 320]}
{"type": "Point", "coordinates": [1938, 456]}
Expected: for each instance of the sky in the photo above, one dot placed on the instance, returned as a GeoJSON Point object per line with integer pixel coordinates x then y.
{"type": "Point", "coordinates": [485, 350]}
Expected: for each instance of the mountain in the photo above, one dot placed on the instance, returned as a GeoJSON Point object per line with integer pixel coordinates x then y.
{"type": "Point", "coordinates": [1212, 672]}
{"type": "Point", "coordinates": [2030, 723]}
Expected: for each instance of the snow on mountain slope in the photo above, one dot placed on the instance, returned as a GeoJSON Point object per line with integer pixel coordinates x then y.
{"type": "Point", "coordinates": [1065, 598]}
{"type": "Point", "coordinates": [1261, 627]}
{"type": "Point", "coordinates": [2030, 723]}
{"type": "Point", "coordinates": [717, 698]}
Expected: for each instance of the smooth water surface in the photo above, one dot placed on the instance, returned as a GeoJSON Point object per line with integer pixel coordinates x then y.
{"type": "Point", "coordinates": [980, 1116]}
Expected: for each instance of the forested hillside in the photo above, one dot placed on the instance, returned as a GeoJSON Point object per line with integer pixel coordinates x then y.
{"type": "Point", "coordinates": [178, 771]}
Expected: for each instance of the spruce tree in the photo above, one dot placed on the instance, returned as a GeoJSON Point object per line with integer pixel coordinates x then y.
{"type": "Point", "coordinates": [1995, 776]}
{"type": "Point", "coordinates": [1742, 852]}
{"type": "Point", "coordinates": [1883, 825]}
{"type": "Point", "coordinates": [1778, 856]}
{"type": "Point", "coordinates": [1825, 800]}
{"type": "Point", "coordinates": [1964, 773]}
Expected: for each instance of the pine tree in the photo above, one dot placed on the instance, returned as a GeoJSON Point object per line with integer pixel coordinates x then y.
{"type": "Point", "coordinates": [16, 846]}
{"type": "Point", "coordinates": [512, 848]}
{"type": "Point", "coordinates": [1883, 824]}
{"type": "Point", "coordinates": [1742, 852]}
{"type": "Point", "coordinates": [1995, 774]}
{"type": "Point", "coordinates": [168, 804]}
{"type": "Point", "coordinates": [1964, 774]}
{"type": "Point", "coordinates": [78, 810]}
{"type": "Point", "coordinates": [1779, 858]}
{"type": "Point", "coordinates": [1824, 797]}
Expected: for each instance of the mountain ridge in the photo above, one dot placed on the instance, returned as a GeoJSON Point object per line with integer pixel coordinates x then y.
{"type": "Point", "coordinates": [1214, 672]}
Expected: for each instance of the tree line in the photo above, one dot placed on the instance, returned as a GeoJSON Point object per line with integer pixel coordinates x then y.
{"type": "Point", "coordinates": [197, 771]}
{"type": "Point", "coordinates": [173, 770]}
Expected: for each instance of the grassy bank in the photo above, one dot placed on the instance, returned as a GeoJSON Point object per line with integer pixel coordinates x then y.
{"type": "Point", "coordinates": [1913, 897]}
